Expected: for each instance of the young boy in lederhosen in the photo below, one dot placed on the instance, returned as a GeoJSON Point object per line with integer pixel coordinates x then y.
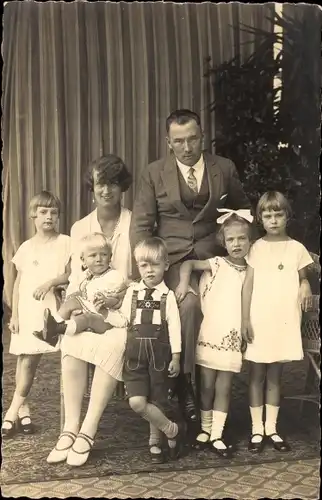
{"type": "Point", "coordinates": [153, 345]}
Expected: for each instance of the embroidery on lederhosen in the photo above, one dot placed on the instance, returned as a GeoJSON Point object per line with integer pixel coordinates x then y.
{"type": "Point", "coordinates": [164, 326]}
{"type": "Point", "coordinates": [137, 305]}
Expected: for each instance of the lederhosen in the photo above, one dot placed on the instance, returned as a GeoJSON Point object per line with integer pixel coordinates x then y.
{"type": "Point", "coordinates": [147, 353]}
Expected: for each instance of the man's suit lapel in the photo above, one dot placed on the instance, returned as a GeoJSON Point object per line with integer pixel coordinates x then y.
{"type": "Point", "coordinates": [171, 184]}
{"type": "Point", "coordinates": [215, 181]}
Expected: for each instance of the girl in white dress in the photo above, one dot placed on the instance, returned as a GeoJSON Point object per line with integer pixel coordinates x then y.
{"type": "Point", "coordinates": [42, 263]}
{"type": "Point", "coordinates": [274, 290]}
{"type": "Point", "coordinates": [219, 345]}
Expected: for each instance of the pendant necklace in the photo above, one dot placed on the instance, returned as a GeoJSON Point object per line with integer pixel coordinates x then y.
{"type": "Point", "coordinates": [281, 266]}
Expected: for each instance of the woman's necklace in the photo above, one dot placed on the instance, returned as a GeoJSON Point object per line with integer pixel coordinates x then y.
{"type": "Point", "coordinates": [114, 227]}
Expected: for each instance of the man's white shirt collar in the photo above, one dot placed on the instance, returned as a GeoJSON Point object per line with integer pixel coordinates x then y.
{"type": "Point", "coordinates": [198, 170]}
{"type": "Point", "coordinates": [197, 166]}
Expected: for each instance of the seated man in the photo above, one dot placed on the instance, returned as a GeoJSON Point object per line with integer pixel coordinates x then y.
{"type": "Point", "coordinates": [178, 200]}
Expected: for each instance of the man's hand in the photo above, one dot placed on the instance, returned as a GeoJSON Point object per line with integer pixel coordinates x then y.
{"type": "Point", "coordinates": [181, 291]}
{"type": "Point", "coordinates": [247, 331]}
{"type": "Point", "coordinates": [174, 367]}
{"type": "Point", "coordinates": [14, 324]}
{"type": "Point", "coordinates": [41, 291]}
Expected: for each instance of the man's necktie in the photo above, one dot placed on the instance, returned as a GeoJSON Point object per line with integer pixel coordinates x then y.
{"type": "Point", "coordinates": [192, 181]}
{"type": "Point", "coordinates": [147, 314]}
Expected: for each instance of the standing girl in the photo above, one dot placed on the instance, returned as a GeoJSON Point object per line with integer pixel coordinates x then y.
{"type": "Point", "coordinates": [42, 263]}
{"type": "Point", "coordinates": [275, 287]}
{"type": "Point", "coordinates": [219, 345]}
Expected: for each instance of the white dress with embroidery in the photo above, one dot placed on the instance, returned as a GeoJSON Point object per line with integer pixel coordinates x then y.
{"type": "Point", "coordinates": [219, 341]}
{"type": "Point", "coordinates": [275, 312]}
{"type": "Point", "coordinates": [37, 264]}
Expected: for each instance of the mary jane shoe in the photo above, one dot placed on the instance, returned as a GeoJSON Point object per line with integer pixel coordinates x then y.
{"type": "Point", "coordinates": [78, 458]}
{"type": "Point", "coordinates": [58, 455]}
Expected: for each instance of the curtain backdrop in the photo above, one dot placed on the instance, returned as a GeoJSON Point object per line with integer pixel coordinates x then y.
{"type": "Point", "coordinates": [82, 79]}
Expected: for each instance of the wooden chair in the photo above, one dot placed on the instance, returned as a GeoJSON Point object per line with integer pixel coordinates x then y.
{"type": "Point", "coordinates": [311, 338]}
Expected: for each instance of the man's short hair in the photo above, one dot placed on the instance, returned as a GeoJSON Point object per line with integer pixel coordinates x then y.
{"type": "Point", "coordinates": [181, 117]}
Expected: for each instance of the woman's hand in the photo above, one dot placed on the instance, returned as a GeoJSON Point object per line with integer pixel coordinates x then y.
{"type": "Point", "coordinates": [14, 324]}
{"type": "Point", "coordinates": [181, 291]}
{"type": "Point", "coordinates": [41, 291]}
{"type": "Point", "coordinates": [247, 331]}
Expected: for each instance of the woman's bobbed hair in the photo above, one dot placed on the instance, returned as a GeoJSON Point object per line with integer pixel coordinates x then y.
{"type": "Point", "coordinates": [110, 169]}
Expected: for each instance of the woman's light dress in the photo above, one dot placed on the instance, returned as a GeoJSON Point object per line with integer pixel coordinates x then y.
{"type": "Point", "coordinates": [106, 350]}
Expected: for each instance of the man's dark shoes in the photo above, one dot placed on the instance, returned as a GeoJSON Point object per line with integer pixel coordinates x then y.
{"type": "Point", "coordinates": [282, 446]}
{"type": "Point", "coordinates": [256, 447]}
{"type": "Point", "coordinates": [52, 329]}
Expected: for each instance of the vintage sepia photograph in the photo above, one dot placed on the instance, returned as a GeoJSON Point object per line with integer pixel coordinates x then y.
{"type": "Point", "coordinates": [161, 250]}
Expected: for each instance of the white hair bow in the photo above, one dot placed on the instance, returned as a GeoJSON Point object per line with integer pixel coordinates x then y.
{"type": "Point", "coordinates": [244, 213]}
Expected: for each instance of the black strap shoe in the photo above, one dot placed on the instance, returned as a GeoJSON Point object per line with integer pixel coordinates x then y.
{"type": "Point", "coordinates": [26, 427]}
{"type": "Point", "coordinates": [256, 447]}
{"type": "Point", "coordinates": [221, 452]}
{"type": "Point", "coordinates": [282, 446]}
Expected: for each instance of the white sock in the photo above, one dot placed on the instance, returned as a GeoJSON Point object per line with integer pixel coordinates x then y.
{"type": "Point", "coordinates": [206, 421]}
{"type": "Point", "coordinates": [71, 327]}
{"type": "Point", "coordinates": [256, 413]}
{"type": "Point", "coordinates": [270, 423]}
{"type": "Point", "coordinates": [217, 427]}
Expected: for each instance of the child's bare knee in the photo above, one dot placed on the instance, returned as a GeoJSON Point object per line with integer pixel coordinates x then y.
{"type": "Point", "coordinates": [138, 404]}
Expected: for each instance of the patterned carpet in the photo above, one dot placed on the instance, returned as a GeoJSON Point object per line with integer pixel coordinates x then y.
{"type": "Point", "coordinates": [272, 480]}
{"type": "Point", "coordinates": [120, 447]}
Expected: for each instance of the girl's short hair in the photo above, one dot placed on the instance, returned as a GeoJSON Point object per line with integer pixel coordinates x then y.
{"type": "Point", "coordinates": [43, 199]}
{"type": "Point", "coordinates": [98, 240]}
{"type": "Point", "coordinates": [151, 249]}
{"type": "Point", "coordinates": [110, 169]}
{"type": "Point", "coordinates": [273, 200]}
{"type": "Point", "coordinates": [232, 220]}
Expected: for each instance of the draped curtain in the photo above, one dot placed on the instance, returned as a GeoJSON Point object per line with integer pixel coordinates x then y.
{"type": "Point", "coordinates": [83, 79]}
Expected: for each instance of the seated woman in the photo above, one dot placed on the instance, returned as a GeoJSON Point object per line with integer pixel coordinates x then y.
{"type": "Point", "coordinates": [108, 178]}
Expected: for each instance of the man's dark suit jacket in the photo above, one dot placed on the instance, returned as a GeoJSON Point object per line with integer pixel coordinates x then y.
{"type": "Point", "coordinates": [159, 210]}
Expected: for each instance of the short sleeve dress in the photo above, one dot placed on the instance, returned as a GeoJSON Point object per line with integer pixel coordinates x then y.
{"type": "Point", "coordinates": [275, 312]}
{"type": "Point", "coordinates": [219, 341]}
{"type": "Point", "coordinates": [37, 264]}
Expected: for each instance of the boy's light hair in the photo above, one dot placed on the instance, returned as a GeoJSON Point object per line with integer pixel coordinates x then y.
{"type": "Point", "coordinates": [43, 199]}
{"type": "Point", "coordinates": [151, 249]}
{"type": "Point", "coordinates": [273, 200]}
{"type": "Point", "coordinates": [98, 240]}
{"type": "Point", "coordinates": [234, 219]}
